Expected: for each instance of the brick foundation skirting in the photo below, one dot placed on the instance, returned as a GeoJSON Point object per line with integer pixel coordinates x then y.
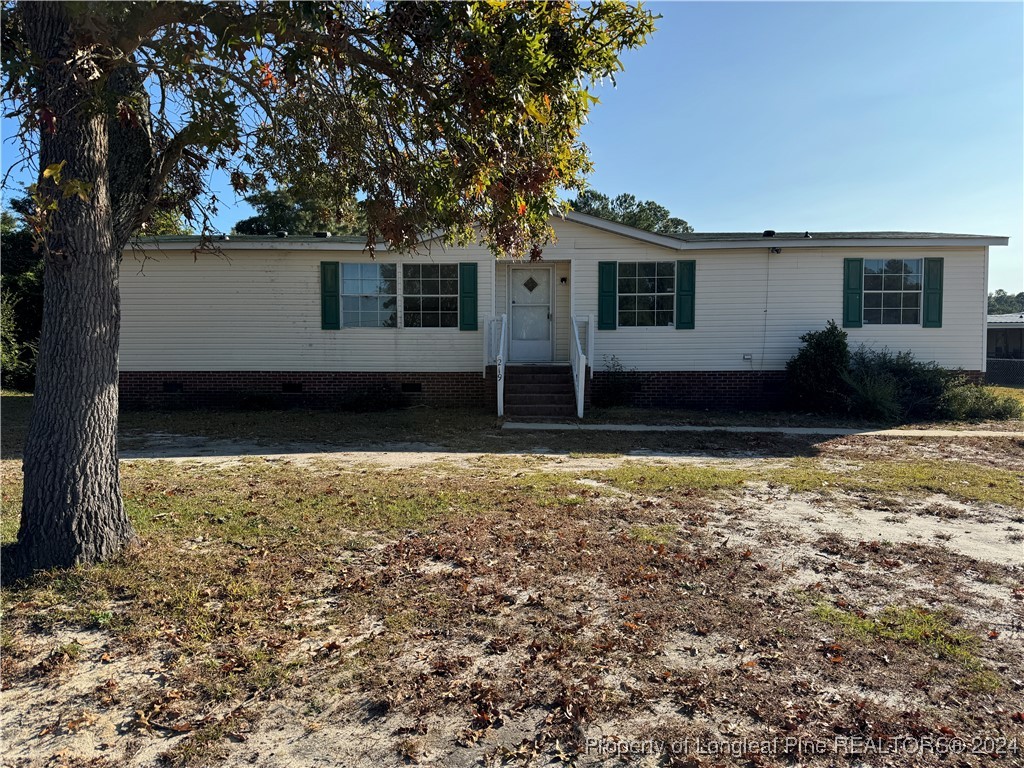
{"type": "Point", "coordinates": [975, 377]}
{"type": "Point", "coordinates": [689, 389]}
{"type": "Point", "coordinates": [271, 389]}
{"type": "Point", "coordinates": [751, 390]}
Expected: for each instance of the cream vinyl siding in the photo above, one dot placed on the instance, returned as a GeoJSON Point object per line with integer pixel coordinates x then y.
{"type": "Point", "coordinates": [260, 311]}
{"type": "Point", "coordinates": [750, 302]}
{"type": "Point", "coordinates": [562, 301]}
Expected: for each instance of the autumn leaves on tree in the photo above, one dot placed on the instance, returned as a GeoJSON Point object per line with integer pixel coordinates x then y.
{"type": "Point", "coordinates": [461, 118]}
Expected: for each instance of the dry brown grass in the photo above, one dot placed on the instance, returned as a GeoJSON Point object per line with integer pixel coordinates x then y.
{"type": "Point", "coordinates": [508, 612]}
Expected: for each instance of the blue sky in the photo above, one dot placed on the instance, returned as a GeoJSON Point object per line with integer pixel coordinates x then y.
{"type": "Point", "coordinates": [826, 116]}
{"type": "Point", "coordinates": [819, 116]}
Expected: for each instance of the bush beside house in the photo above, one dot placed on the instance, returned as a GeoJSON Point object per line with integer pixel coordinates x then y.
{"type": "Point", "coordinates": [816, 372]}
{"type": "Point", "coordinates": [825, 377]}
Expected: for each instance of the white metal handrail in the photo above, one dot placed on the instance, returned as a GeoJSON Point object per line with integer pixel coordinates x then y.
{"type": "Point", "coordinates": [499, 360]}
{"type": "Point", "coordinates": [579, 367]}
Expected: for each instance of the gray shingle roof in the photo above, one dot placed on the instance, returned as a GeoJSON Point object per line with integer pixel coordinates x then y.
{"type": "Point", "coordinates": [1012, 318]}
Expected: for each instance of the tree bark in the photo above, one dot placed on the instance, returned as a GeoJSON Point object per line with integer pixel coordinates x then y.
{"type": "Point", "coordinates": [72, 511]}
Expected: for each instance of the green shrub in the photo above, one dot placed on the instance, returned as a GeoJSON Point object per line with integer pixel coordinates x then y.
{"type": "Point", "coordinates": [826, 377]}
{"type": "Point", "coordinates": [619, 384]}
{"type": "Point", "coordinates": [894, 387]}
{"type": "Point", "coordinates": [17, 358]}
{"type": "Point", "coordinates": [874, 393]}
{"type": "Point", "coordinates": [21, 269]}
{"type": "Point", "coordinates": [815, 373]}
{"type": "Point", "coordinates": [965, 401]}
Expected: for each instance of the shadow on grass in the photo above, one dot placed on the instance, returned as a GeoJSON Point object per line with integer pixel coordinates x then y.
{"type": "Point", "coordinates": [225, 433]}
{"type": "Point", "coordinates": [654, 445]}
{"type": "Point", "coordinates": [15, 408]}
{"type": "Point", "coordinates": [12, 566]}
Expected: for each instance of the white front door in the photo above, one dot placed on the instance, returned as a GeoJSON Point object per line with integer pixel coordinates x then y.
{"type": "Point", "coordinates": [530, 314]}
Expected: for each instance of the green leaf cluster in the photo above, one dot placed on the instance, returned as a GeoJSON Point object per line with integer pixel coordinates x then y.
{"type": "Point", "coordinates": [21, 302]}
{"type": "Point", "coordinates": [455, 118]}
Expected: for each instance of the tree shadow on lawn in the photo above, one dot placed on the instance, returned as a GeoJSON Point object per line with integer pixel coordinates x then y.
{"type": "Point", "coordinates": [208, 433]}
{"type": "Point", "coordinates": [653, 445]}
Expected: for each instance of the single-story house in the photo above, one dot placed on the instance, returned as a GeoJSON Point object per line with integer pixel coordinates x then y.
{"type": "Point", "coordinates": [1005, 350]}
{"type": "Point", "coordinates": [697, 320]}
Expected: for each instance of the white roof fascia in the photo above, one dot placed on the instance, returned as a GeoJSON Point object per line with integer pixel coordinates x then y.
{"type": "Point", "coordinates": [773, 242]}
{"type": "Point", "coordinates": [808, 242]}
{"type": "Point", "coordinates": [271, 244]}
{"type": "Point", "coordinates": [268, 244]}
{"type": "Point", "coordinates": [663, 241]}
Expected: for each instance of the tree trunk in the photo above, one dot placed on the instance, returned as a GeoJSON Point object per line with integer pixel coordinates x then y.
{"type": "Point", "coordinates": [72, 510]}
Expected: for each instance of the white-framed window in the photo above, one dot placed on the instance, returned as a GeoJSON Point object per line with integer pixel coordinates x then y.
{"type": "Point", "coordinates": [369, 296]}
{"type": "Point", "coordinates": [892, 291]}
{"type": "Point", "coordinates": [646, 293]}
{"type": "Point", "coordinates": [430, 295]}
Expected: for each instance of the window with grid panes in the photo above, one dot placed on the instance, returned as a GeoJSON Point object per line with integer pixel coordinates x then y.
{"type": "Point", "coordinates": [892, 291]}
{"type": "Point", "coordinates": [369, 296]}
{"type": "Point", "coordinates": [646, 293]}
{"type": "Point", "coordinates": [430, 295]}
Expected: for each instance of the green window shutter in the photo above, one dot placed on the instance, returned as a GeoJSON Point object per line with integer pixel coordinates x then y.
{"type": "Point", "coordinates": [607, 295]}
{"type": "Point", "coordinates": [467, 297]}
{"type": "Point", "coordinates": [330, 296]}
{"type": "Point", "coordinates": [931, 314]}
{"type": "Point", "coordinates": [686, 294]}
{"type": "Point", "coordinates": [853, 293]}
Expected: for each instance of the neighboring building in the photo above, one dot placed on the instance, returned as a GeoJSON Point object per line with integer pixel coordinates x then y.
{"type": "Point", "coordinates": [704, 320]}
{"type": "Point", "coordinates": [1005, 350]}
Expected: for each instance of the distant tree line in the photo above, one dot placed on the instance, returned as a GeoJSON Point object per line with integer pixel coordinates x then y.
{"type": "Point", "coordinates": [300, 213]}
{"type": "Point", "coordinates": [303, 212]}
{"type": "Point", "coordinates": [627, 209]}
{"type": "Point", "coordinates": [1003, 303]}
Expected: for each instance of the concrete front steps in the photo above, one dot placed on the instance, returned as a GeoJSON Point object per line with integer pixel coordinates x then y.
{"type": "Point", "coordinates": [539, 392]}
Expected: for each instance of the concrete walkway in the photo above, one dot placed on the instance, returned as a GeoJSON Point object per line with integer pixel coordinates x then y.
{"type": "Point", "coordinates": [829, 431]}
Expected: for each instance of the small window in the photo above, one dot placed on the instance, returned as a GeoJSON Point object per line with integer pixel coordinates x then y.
{"type": "Point", "coordinates": [892, 291]}
{"type": "Point", "coordinates": [369, 296]}
{"type": "Point", "coordinates": [646, 293]}
{"type": "Point", "coordinates": [430, 294]}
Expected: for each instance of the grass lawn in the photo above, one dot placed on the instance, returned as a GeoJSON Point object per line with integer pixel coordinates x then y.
{"type": "Point", "coordinates": [1015, 392]}
{"type": "Point", "coordinates": [473, 607]}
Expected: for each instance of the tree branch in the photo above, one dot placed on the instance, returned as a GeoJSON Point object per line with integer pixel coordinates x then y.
{"type": "Point", "coordinates": [163, 166]}
{"type": "Point", "coordinates": [141, 23]}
